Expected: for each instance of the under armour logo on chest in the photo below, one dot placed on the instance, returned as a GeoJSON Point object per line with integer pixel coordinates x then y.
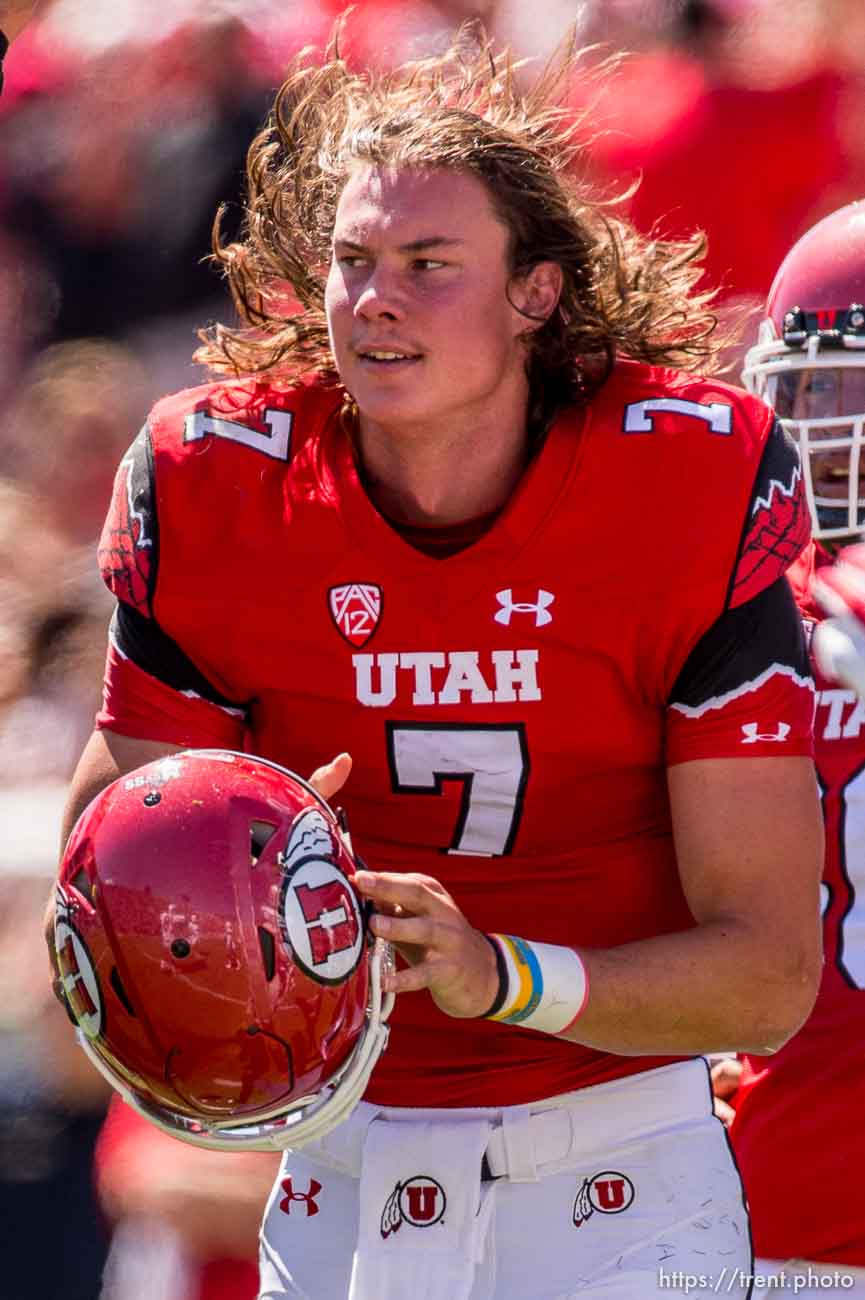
{"type": "Point", "coordinates": [509, 607]}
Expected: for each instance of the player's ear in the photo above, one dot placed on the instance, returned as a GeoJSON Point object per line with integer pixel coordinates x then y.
{"type": "Point", "coordinates": [535, 293]}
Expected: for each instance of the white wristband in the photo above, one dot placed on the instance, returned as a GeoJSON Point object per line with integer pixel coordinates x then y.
{"type": "Point", "coordinates": [543, 986]}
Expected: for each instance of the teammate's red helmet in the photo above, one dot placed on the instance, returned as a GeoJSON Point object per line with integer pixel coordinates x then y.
{"type": "Point", "coordinates": [809, 363]}
{"type": "Point", "coordinates": [214, 952]}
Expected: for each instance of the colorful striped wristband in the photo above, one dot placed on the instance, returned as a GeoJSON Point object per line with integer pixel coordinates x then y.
{"type": "Point", "coordinates": [541, 985]}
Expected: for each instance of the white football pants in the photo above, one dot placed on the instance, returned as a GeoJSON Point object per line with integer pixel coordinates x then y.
{"type": "Point", "coordinates": [618, 1192]}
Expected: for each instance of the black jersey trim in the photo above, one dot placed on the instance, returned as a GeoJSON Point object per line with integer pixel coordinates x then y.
{"type": "Point", "coordinates": [777, 524]}
{"type": "Point", "coordinates": [149, 504]}
{"type": "Point", "coordinates": [142, 640]}
{"type": "Point", "coordinates": [744, 644]}
{"type": "Point", "coordinates": [128, 554]}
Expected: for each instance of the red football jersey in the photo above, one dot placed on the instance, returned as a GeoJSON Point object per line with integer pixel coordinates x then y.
{"type": "Point", "coordinates": [126, 1137]}
{"type": "Point", "coordinates": [511, 708]}
{"type": "Point", "coordinates": [798, 1131]}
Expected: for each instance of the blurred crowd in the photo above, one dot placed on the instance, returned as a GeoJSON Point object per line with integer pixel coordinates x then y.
{"type": "Point", "coordinates": [123, 124]}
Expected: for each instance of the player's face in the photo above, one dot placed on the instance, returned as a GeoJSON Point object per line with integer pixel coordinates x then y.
{"type": "Point", "coordinates": [417, 300]}
{"type": "Point", "coordinates": [826, 394]}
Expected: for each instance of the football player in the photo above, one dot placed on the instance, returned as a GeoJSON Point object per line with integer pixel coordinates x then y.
{"type": "Point", "coordinates": [796, 1129]}
{"type": "Point", "coordinates": [581, 776]}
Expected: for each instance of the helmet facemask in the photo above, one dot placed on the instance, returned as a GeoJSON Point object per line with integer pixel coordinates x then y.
{"type": "Point", "coordinates": [817, 389]}
{"type": "Point", "coordinates": [809, 361]}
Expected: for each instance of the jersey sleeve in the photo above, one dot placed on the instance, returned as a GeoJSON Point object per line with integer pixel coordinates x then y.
{"type": "Point", "coordinates": [135, 703]}
{"type": "Point", "coordinates": [777, 524]}
{"type": "Point", "coordinates": [151, 689]}
{"type": "Point", "coordinates": [746, 688]}
{"type": "Point", "coordinates": [129, 546]}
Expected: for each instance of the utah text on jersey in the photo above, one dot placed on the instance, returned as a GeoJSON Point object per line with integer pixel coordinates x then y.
{"type": "Point", "coordinates": [425, 677]}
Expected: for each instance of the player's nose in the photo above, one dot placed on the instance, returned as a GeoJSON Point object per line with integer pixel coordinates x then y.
{"type": "Point", "coordinates": [381, 297]}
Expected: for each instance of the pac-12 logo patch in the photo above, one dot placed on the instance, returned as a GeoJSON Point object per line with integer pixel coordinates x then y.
{"type": "Point", "coordinates": [319, 911]}
{"type": "Point", "coordinates": [608, 1192]}
{"type": "Point", "coordinates": [419, 1201]}
{"type": "Point", "coordinates": [355, 609]}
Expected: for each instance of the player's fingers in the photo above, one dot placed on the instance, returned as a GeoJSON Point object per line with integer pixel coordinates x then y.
{"type": "Point", "coordinates": [726, 1076]}
{"type": "Point", "coordinates": [408, 979]}
{"type": "Point", "coordinates": [420, 931]}
{"type": "Point", "coordinates": [332, 776]}
{"type": "Point", "coordinates": [15, 14]}
{"type": "Point", "coordinates": [725, 1113]}
{"type": "Point", "coordinates": [395, 892]}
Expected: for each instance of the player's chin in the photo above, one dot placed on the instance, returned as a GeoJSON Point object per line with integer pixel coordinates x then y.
{"type": "Point", "coordinates": [393, 406]}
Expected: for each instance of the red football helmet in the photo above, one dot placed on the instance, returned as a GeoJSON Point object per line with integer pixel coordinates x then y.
{"type": "Point", "coordinates": [215, 955]}
{"type": "Point", "coordinates": [809, 364]}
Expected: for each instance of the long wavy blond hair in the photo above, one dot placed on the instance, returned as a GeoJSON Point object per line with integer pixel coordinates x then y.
{"type": "Point", "coordinates": [465, 109]}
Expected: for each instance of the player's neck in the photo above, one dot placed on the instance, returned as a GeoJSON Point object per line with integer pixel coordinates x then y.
{"type": "Point", "coordinates": [441, 477]}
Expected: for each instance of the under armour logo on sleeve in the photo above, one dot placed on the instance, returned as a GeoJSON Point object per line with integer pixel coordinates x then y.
{"type": "Point", "coordinates": [750, 734]}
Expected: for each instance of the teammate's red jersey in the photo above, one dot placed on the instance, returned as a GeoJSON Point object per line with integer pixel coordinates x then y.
{"type": "Point", "coordinates": [798, 1131]}
{"type": "Point", "coordinates": [510, 709]}
{"type": "Point", "coordinates": [125, 1140]}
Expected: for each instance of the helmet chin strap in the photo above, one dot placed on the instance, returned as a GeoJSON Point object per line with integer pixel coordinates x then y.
{"type": "Point", "coordinates": [307, 1119]}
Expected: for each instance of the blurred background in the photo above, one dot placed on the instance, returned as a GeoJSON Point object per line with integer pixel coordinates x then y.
{"type": "Point", "coordinates": [123, 123]}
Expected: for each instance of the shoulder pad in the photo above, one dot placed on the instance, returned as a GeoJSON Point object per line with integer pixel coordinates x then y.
{"type": "Point", "coordinates": [264, 417]}
{"type": "Point", "coordinates": [657, 400]}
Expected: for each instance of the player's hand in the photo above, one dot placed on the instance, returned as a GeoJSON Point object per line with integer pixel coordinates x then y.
{"type": "Point", "coordinates": [330, 778]}
{"type": "Point", "coordinates": [443, 952]}
{"type": "Point", "coordinates": [839, 642]}
{"type": "Point", "coordinates": [726, 1076]}
{"type": "Point", "coordinates": [14, 14]}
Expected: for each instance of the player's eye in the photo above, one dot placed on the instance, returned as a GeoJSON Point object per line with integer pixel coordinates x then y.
{"type": "Point", "coordinates": [820, 383]}
{"type": "Point", "coordinates": [427, 264]}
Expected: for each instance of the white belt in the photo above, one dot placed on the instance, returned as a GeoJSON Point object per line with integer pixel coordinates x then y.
{"type": "Point", "coordinates": [531, 1141]}
{"type": "Point", "coordinates": [550, 1135]}
{"type": "Point", "coordinates": [528, 1146]}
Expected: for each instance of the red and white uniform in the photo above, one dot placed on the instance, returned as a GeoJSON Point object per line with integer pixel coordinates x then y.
{"type": "Point", "coordinates": [798, 1131]}
{"type": "Point", "coordinates": [510, 709]}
